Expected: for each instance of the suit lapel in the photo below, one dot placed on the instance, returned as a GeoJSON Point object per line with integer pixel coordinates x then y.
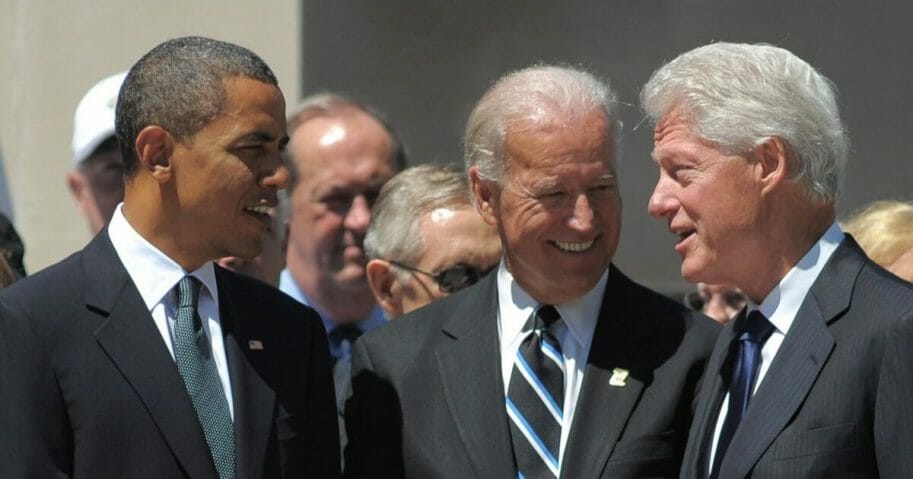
{"type": "Point", "coordinates": [709, 399]}
{"type": "Point", "coordinates": [469, 364]}
{"type": "Point", "coordinates": [129, 338]}
{"type": "Point", "coordinates": [254, 401]}
{"type": "Point", "coordinates": [603, 409]}
{"type": "Point", "coordinates": [801, 357]}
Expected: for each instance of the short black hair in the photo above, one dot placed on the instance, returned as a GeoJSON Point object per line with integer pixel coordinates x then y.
{"type": "Point", "coordinates": [178, 85]}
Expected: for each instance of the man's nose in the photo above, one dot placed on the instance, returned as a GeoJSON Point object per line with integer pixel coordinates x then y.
{"type": "Point", "coordinates": [582, 218]}
{"type": "Point", "coordinates": [359, 214]}
{"type": "Point", "coordinates": [661, 202]}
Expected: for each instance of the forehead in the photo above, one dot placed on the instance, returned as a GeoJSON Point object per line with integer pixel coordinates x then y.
{"type": "Point", "coordinates": [349, 135]}
{"type": "Point", "coordinates": [251, 107]}
{"type": "Point", "coordinates": [456, 235]}
{"type": "Point", "coordinates": [674, 135]}
{"type": "Point", "coordinates": [556, 144]}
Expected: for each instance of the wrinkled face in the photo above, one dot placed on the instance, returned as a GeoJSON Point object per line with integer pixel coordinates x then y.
{"type": "Point", "coordinates": [451, 237]}
{"type": "Point", "coordinates": [558, 209]}
{"type": "Point", "coordinates": [343, 161]}
{"type": "Point", "coordinates": [228, 174]}
{"type": "Point", "coordinates": [710, 201]}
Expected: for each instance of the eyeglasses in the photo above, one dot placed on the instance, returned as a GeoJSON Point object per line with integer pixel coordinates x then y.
{"type": "Point", "coordinates": [452, 279]}
{"type": "Point", "coordinates": [697, 300]}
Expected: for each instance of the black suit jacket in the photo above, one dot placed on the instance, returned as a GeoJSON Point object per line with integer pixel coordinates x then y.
{"type": "Point", "coordinates": [427, 397]}
{"type": "Point", "coordinates": [837, 400]}
{"type": "Point", "coordinates": [88, 388]}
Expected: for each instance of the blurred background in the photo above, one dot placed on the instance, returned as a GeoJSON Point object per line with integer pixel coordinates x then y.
{"type": "Point", "coordinates": [425, 63]}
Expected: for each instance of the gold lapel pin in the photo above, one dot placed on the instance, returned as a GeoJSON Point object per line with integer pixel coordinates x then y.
{"type": "Point", "coordinates": [255, 345]}
{"type": "Point", "coordinates": [619, 376]}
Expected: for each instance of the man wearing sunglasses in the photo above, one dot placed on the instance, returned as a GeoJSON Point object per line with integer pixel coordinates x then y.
{"type": "Point", "coordinates": [556, 364]}
{"type": "Point", "coordinates": [426, 240]}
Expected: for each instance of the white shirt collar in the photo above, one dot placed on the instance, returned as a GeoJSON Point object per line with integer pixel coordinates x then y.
{"type": "Point", "coordinates": [515, 306]}
{"type": "Point", "coordinates": [153, 272]}
{"type": "Point", "coordinates": [781, 305]}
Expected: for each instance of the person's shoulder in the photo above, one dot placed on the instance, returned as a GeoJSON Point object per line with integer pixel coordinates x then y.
{"type": "Point", "coordinates": [246, 294]}
{"type": "Point", "coordinates": [48, 287]}
{"type": "Point", "coordinates": [425, 326]}
{"type": "Point", "coordinates": [666, 313]}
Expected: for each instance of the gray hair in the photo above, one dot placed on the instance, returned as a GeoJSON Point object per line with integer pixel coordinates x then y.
{"type": "Point", "coordinates": [332, 105]}
{"type": "Point", "coordinates": [535, 96]}
{"type": "Point", "coordinates": [737, 96]}
{"type": "Point", "coordinates": [178, 85]}
{"type": "Point", "coordinates": [394, 229]}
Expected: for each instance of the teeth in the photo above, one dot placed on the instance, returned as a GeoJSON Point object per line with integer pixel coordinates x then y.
{"type": "Point", "coordinates": [574, 247]}
{"type": "Point", "coordinates": [262, 209]}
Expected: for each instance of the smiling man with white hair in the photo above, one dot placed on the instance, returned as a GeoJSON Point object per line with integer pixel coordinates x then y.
{"type": "Point", "coordinates": [556, 364]}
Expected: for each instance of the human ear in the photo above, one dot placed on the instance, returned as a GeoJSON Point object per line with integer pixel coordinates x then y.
{"type": "Point", "coordinates": [382, 281]}
{"type": "Point", "coordinates": [154, 147]}
{"type": "Point", "coordinates": [485, 192]}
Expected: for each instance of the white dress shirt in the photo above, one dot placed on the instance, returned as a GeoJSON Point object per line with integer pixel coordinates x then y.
{"type": "Point", "coordinates": [574, 333]}
{"type": "Point", "coordinates": [780, 308]}
{"type": "Point", "coordinates": [155, 276]}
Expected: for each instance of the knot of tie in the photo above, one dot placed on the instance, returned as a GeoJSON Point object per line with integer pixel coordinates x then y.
{"type": "Point", "coordinates": [757, 328]}
{"type": "Point", "coordinates": [188, 292]}
{"type": "Point", "coordinates": [545, 316]}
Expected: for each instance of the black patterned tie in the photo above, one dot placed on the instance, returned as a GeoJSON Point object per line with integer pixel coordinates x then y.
{"type": "Point", "coordinates": [746, 365]}
{"type": "Point", "coordinates": [193, 355]}
{"type": "Point", "coordinates": [535, 398]}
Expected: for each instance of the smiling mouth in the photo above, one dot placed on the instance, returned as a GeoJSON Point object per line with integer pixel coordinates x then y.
{"type": "Point", "coordinates": [572, 247]}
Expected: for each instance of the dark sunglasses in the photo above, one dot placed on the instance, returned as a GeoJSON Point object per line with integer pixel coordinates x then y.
{"type": "Point", "coordinates": [452, 279]}
{"type": "Point", "coordinates": [696, 301]}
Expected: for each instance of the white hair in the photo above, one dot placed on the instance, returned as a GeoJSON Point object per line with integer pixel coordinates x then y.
{"type": "Point", "coordinates": [393, 233]}
{"type": "Point", "coordinates": [737, 96]}
{"type": "Point", "coordinates": [536, 96]}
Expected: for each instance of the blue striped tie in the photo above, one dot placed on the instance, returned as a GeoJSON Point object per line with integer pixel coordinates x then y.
{"type": "Point", "coordinates": [193, 355]}
{"type": "Point", "coordinates": [535, 398]}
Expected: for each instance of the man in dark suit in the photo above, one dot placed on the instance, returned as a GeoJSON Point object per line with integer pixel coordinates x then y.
{"type": "Point", "coordinates": [556, 364]}
{"type": "Point", "coordinates": [813, 378]}
{"type": "Point", "coordinates": [137, 357]}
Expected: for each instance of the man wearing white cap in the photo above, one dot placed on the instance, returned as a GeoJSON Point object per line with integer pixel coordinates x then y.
{"type": "Point", "coordinates": [97, 181]}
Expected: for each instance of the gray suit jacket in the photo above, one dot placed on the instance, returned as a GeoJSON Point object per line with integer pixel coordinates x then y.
{"type": "Point", "coordinates": [427, 397]}
{"type": "Point", "coordinates": [837, 401]}
{"type": "Point", "coordinates": [89, 390]}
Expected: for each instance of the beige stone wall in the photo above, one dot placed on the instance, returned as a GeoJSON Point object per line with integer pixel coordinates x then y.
{"type": "Point", "coordinates": [51, 52]}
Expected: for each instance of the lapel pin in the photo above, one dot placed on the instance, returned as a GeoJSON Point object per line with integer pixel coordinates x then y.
{"type": "Point", "coordinates": [619, 376]}
{"type": "Point", "coordinates": [255, 345]}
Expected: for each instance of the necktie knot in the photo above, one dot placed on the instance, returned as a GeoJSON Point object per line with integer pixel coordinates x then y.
{"type": "Point", "coordinates": [757, 328]}
{"type": "Point", "coordinates": [545, 316]}
{"type": "Point", "coordinates": [188, 292]}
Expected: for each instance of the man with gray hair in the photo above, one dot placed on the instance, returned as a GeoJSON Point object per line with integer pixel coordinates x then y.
{"type": "Point", "coordinates": [557, 364]}
{"type": "Point", "coordinates": [426, 240]}
{"type": "Point", "coordinates": [812, 378]}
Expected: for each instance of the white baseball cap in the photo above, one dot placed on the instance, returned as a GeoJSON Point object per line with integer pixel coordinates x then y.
{"type": "Point", "coordinates": [94, 120]}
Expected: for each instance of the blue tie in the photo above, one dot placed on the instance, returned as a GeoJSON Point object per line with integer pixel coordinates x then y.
{"type": "Point", "coordinates": [747, 361]}
{"type": "Point", "coordinates": [535, 398]}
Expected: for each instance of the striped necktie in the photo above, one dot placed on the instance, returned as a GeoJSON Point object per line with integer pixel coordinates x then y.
{"type": "Point", "coordinates": [193, 355]}
{"type": "Point", "coordinates": [535, 398]}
